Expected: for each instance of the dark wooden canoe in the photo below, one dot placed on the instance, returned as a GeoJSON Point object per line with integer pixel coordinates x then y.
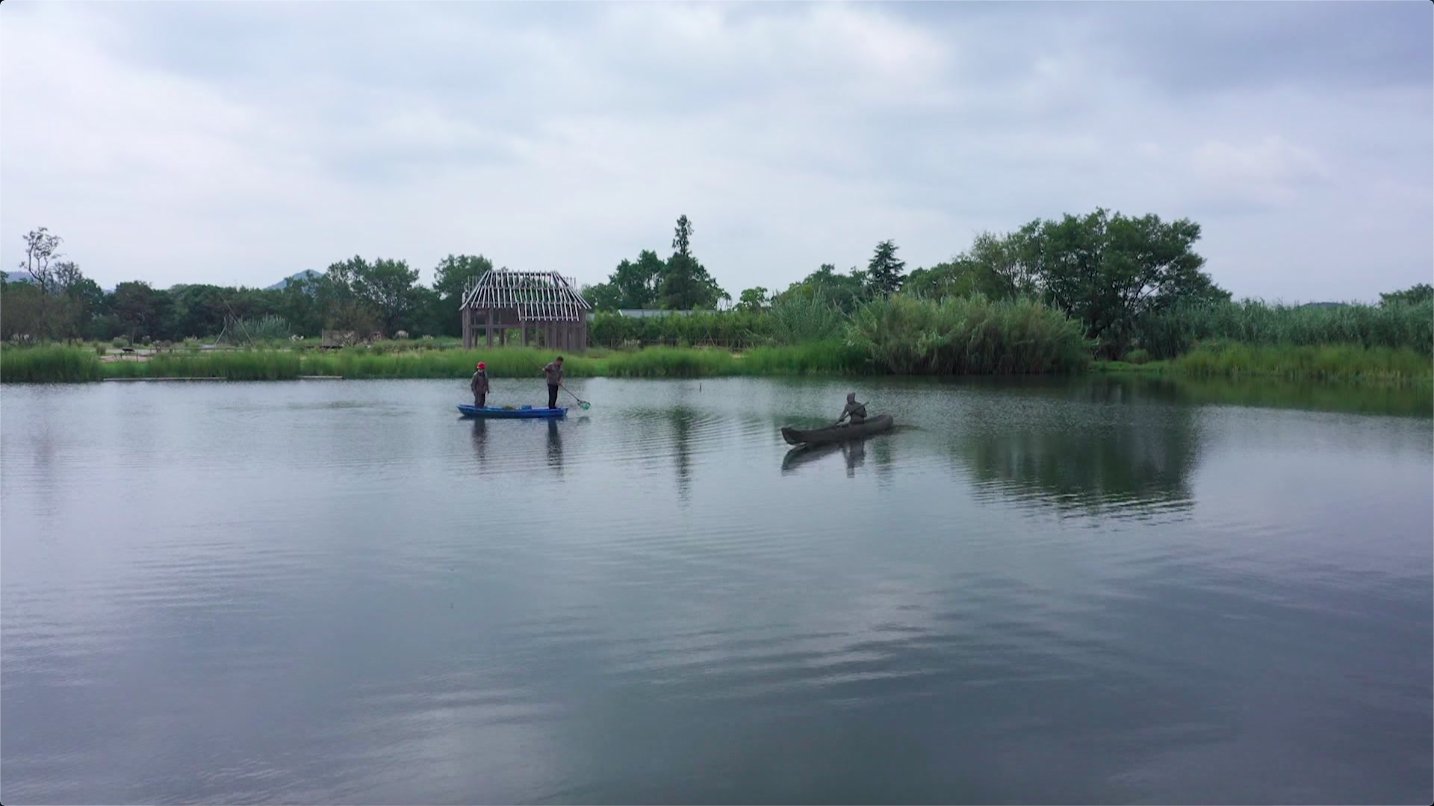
{"type": "Point", "coordinates": [838, 433]}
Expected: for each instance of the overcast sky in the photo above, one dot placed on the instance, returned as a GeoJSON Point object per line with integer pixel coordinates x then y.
{"type": "Point", "coordinates": [240, 142]}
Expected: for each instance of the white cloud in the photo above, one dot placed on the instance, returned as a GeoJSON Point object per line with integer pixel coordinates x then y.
{"type": "Point", "coordinates": [1270, 170]}
{"type": "Point", "coordinates": [237, 143]}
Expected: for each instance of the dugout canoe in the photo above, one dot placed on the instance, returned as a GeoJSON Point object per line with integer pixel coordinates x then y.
{"type": "Point", "coordinates": [838, 433]}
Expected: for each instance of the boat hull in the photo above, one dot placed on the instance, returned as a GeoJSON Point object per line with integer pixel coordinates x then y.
{"type": "Point", "coordinates": [523, 413]}
{"type": "Point", "coordinates": [838, 433]}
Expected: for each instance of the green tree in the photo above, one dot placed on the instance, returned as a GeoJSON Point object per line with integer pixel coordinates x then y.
{"type": "Point", "coordinates": [1413, 295]}
{"type": "Point", "coordinates": [993, 267]}
{"type": "Point", "coordinates": [140, 309]}
{"type": "Point", "coordinates": [87, 301]}
{"type": "Point", "coordinates": [388, 287]}
{"type": "Point", "coordinates": [338, 298]}
{"type": "Point", "coordinates": [41, 248]}
{"type": "Point", "coordinates": [19, 309]}
{"type": "Point", "coordinates": [450, 279]}
{"type": "Point", "coordinates": [884, 270]}
{"type": "Point", "coordinates": [1109, 270]}
{"type": "Point", "coordinates": [362, 296]}
{"type": "Point", "coordinates": [686, 285]}
{"type": "Point", "coordinates": [842, 291]}
{"type": "Point", "coordinates": [634, 284]}
{"type": "Point", "coordinates": [753, 299]}
{"type": "Point", "coordinates": [199, 310]}
{"type": "Point", "coordinates": [603, 296]}
{"type": "Point", "coordinates": [298, 302]}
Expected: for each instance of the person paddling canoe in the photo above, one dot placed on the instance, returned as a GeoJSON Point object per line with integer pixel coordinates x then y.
{"type": "Point", "coordinates": [854, 411]}
{"type": "Point", "coordinates": [479, 385]}
{"type": "Point", "coordinates": [554, 371]}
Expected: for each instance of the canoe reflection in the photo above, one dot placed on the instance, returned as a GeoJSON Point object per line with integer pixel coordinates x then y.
{"type": "Point", "coordinates": [852, 451]}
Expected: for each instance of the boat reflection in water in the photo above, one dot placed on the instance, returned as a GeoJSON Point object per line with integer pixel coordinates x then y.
{"type": "Point", "coordinates": [852, 450]}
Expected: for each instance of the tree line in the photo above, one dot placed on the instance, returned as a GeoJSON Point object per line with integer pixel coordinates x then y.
{"type": "Point", "coordinates": [51, 299]}
{"type": "Point", "coordinates": [1113, 274]}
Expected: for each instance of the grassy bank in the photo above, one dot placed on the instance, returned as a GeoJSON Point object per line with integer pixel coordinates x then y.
{"type": "Point", "coordinates": [1179, 330]}
{"type": "Point", "coordinates": [57, 364]}
{"type": "Point", "coordinates": [48, 364]}
{"type": "Point", "coordinates": [973, 348]}
{"type": "Point", "coordinates": [1337, 363]}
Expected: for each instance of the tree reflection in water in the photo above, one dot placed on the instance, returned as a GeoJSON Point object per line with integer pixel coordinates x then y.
{"type": "Point", "coordinates": [1126, 451]}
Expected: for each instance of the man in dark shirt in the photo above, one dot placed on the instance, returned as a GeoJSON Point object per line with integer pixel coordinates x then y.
{"type": "Point", "coordinates": [554, 371]}
{"type": "Point", "coordinates": [855, 411]}
{"type": "Point", "coordinates": [479, 385]}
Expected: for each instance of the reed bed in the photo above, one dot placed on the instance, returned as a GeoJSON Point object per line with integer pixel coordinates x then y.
{"type": "Point", "coordinates": [52, 363]}
{"type": "Point", "coordinates": [1338, 362]}
{"type": "Point", "coordinates": [1181, 329]}
{"type": "Point", "coordinates": [913, 336]}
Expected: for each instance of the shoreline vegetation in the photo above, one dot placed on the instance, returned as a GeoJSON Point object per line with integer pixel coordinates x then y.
{"type": "Point", "coordinates": [1335, 364]}
{"type": "Point", "coordinates": [1101, 292]}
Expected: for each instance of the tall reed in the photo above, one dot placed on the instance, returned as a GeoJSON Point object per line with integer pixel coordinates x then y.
{"type": "Point", "coordinates": [51, 363]}
{"type": "Point", "coordinates": [967, 335]}
{"type": "Point", "coordinates": [1339, 362]}
{"type": "Point", "coordinates": [1178, 330]}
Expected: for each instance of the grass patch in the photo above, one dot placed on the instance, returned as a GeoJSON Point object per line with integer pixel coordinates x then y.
{"type": "Point", "coordinates": [906, 335]}
{"type": "Point", "coordinates": [51, 363]}
{"type": "Point", "coordinates": [1332, 362]}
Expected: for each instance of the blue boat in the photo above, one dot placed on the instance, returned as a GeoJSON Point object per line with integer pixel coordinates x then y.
{"type": "Point", "coordinates": [520, 413]}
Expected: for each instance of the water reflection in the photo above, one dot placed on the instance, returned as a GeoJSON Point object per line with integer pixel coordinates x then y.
{"type": "Point", "coordinates": [1125, 451]}
{"type": "Point", "coordinates": [480, 439]}
{"type": "Point", "coordinates": [555, 446]}
{"type": "Point", "coordinates": [853, 454]}
{"type": "Point", "coordinates": [683, 418]}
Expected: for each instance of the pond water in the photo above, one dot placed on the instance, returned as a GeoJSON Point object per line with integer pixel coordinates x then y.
{"type": "Point", "coordinates": [1089, 590]}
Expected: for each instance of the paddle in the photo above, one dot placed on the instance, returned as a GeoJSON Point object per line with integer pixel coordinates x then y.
{"type": "Point", "coordinates": [583, 404]}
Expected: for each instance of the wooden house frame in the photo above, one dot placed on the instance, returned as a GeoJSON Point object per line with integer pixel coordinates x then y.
{"type": "Point", "coordinates": [541, 305]}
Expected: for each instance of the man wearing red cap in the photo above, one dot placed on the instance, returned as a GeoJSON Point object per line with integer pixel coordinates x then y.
{"type": "Point", "coordinates": [479, 385]}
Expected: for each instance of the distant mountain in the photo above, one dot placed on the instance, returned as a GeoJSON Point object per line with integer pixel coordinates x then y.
{"type": "Point", "coordinates": [303, 275]}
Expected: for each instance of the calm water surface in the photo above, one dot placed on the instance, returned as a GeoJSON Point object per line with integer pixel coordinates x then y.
{"type": "Point", "coordinates": [1064, 591]}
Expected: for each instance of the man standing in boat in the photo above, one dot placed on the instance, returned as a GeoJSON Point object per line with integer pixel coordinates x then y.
{"type": "Point", "coordinates": [554, 371]}
{"type": "Point", "coordinates": [479, 385]}
{"type": "Point", "coordinates": [854, 411]}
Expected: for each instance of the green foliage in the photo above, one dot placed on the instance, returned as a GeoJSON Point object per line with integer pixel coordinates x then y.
{"type": "Point", "coordinates": [734, 329]}
{"type": "Point", "coordinates": [450, 277]}
{"type": "Point", "coordinates": [796, 319]}
{"type": "Point", "coordinates": [1107, 271]}
{"type": "Point", "coordinates": [141, 310]}
{"type": "Point", "coordinates": [912, 336]}
{"type": "Point", "coordinates": [1138, 356]}
{"type": "Point", "coordinates": [754, 299]}
{"type": "Point", "coordinates": [48, 364]}
{"type": "Point", "coordinates": [632, 285]}
{"type": "Point", "coordinates": [993, 267]}
{"type": "Point", "coordinates": [1338, 362]}
{"type": "Point", "coordinates": [265, 329]}
{"type": "Point", "coordinates": [842, 291]}
{"type": "Point", "coordinates": [368, 296]}
{"type": "Point", "coordinates": [884, 271]}
{"type": "Point", "coordinates": [1178, 329]}
{"type": "Point", "coordinates": [1414, 295]}
{"type": "Point", "coordinates": [686, 285]}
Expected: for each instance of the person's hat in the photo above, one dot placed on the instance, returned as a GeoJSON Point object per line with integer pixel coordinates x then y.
{"type": "Point", "coordinates": [482, 365]}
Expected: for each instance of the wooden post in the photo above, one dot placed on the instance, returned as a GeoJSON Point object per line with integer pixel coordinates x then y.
{"type": "Point", "coordinates": [489, 328]}
{"type": "Point", "coordinates": [467, 322]}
